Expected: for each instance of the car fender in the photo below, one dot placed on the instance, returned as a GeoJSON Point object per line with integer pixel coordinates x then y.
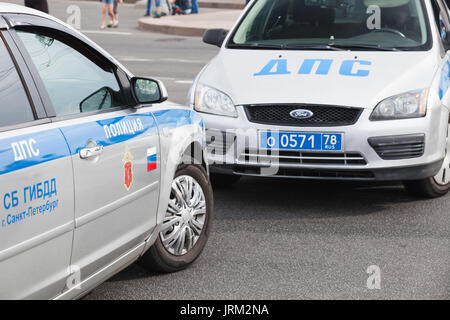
{"type": "Point", "coordinates": [179, 129]}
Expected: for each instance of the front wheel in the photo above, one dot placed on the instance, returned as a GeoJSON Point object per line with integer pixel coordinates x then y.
{"type": "Point", "coordinates": [436, 186]}
{"type": "Point", "coordinates": [186, 226]}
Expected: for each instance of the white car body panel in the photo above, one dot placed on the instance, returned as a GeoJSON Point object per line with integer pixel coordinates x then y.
{"type": "Point", "coordinates": [237, 69]}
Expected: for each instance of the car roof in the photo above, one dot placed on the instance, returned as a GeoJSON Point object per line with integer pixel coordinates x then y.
{"type": "Point", "coordinates": [9, 8]}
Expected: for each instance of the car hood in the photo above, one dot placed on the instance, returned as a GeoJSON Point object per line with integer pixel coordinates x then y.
{"type": "Point", "coordinates": [354, 79]}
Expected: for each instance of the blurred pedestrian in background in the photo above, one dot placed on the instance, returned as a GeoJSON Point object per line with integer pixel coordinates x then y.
{"type": "Point", "coordinates": [185, 6]}
{"type": "Point", "coordinates": [175, 8]}
{"type": "Point", "coordinates": [107, 5]}
{"type": "Point", "coordinates": [116, 13]}
{"type": "Point", "coordinates": [41, 5]}
{"type": "Point", "coordinates": [194, 6]}
{"type": "Point", "coordinates": [158, 8]}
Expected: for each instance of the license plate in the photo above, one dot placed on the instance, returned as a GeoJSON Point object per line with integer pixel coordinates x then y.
{"type": "Point", "coordinates": [301, 141]}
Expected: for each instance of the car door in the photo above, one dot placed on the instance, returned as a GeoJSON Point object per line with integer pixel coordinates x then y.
{"type": "Point", "coordinates": [111, 144]}
{"type": "Point", "coordinates": [36, 188]}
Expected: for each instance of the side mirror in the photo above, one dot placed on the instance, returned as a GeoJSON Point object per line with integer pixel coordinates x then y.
{"type": "Point", "coordinates": [148, 91]}
{"type": "Point", "coordinates": [215, 37]}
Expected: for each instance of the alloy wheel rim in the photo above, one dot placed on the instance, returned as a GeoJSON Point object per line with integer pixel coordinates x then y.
{"type": "Point", "coordinates": [443, 176]}
{"type": "Point", "coordinates": [185, 216]}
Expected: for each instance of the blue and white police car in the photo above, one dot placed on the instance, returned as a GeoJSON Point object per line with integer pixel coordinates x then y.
{"type": "Point", "coordinates": [96, 171]}
{"type": "Point", "coordinates": [331, 89]}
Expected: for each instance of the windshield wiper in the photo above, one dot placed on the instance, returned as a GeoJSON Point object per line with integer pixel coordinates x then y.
{"type": "Point", "coordinates": [330, 46]}
{"type": "Point", "coordinates": [293, 46]}
{"type": "Point", "coordinates": [285, 46]}
{"type": "Point", "coordinates": [362, 46]}
{"type": "Point", "coordinates": [255, 46]}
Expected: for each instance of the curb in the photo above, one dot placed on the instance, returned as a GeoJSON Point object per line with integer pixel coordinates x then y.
{"type": "Point", "coordinates": [190, 25]}
{"type": "Point", "coordinates": [211, 4]}
{"type": "Point", "coordinates": [168, 29]}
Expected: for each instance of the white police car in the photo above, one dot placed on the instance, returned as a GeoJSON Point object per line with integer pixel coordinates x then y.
{"type": "Point", "coordinates": [331, 89]}
{"type": "Point", "coordinates": [91, 173]}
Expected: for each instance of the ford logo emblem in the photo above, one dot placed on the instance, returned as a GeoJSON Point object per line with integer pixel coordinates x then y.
{"type": "Point", "coordinates": [301, 114]}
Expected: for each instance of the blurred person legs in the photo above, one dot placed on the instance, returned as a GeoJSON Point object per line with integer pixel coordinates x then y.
{"type": "Point", "coordinates": [107, 5]}
{"type": "Point", "coordinates": [175, 8]}
{"type": "Point", "coordinates": [185, 6]}
{"type": "Point", "coordinates": [194, 6]}
{"type": "Point", "coordinates": [116, 12]}
{"type": "Point", "coordinates": [149, 8]}
{"type": "Point", "coordinates": [41, 5]}
{"type": "Point", "coordinates": [158, 9]}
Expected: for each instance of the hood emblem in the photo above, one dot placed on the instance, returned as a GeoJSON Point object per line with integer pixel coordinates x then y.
{"type": "Point", "coordinates": [301, 114]}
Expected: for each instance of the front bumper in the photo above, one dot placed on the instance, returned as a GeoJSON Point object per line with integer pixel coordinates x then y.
{"type": "Point", "coordinates": [236, 152]}
{"type": "Point", "coordinates": [389, 174]}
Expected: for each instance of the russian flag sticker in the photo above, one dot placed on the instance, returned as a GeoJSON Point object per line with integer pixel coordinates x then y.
{"type": "Point", "coordinates": [151, 159]}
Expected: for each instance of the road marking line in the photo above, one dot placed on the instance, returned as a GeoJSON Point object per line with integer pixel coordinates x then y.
{"type": "Point", "coordinates": [133, 59]}
{"type": "Point", "coordinates": [173, 79]}
{"type": "Point", "coordinates": [183, 60]}
{"type": "Point", "coordinates": [108, 32]}
{"type": "Point", "coordinates": [136, 59]}
{"type": "Point", "coordinates": [164, 78]}
{"type": "Point", "coordinates": [184, 81]}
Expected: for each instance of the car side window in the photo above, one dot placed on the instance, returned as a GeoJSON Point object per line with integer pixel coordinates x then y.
{"type": "Point", "coordinates": [74, 82]}
{"type": "Point", "coordinates": [441, 18]}
{"type": "Point", "coordinates": [15, 107]}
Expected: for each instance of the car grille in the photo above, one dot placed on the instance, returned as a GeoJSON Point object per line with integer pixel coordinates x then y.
{"type": "Point", "coordinates": [324, 116]}
{"type": "Point", "coordinates": [306, 158]}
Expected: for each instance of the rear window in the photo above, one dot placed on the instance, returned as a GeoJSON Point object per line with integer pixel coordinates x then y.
{"type": "Point", "coordinates": [14, 107]}
{"type": "Point", "coordinates": [400, 24]}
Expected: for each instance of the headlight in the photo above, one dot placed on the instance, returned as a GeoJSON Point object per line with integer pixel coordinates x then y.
{"type": "Point", "coordinates": [213, 101]}
{"type": "Point", "coordinates": [404, 106]}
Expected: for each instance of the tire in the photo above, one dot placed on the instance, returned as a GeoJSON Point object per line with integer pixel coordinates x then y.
{"type": "Point", "coordinates": [162, 257]}
{"type": "Point", "coordinates": [223, 180]}
{"type": "Point", "coordinates": [426, 188]}
{"type": "Point", "coordinates": [436, 186]}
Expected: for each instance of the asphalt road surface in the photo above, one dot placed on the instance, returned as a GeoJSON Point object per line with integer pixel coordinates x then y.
{"type": "Point", "coordinates": [278, 239]}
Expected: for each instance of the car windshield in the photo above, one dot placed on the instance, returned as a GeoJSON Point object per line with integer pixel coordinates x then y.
{"type": "Point", "coordinates": [334, 25]}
